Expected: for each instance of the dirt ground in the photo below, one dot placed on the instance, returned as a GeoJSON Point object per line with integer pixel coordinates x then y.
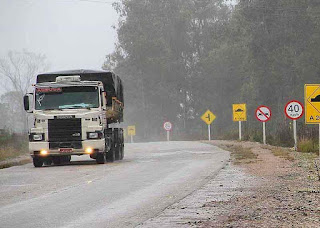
{"type": "Point", "coordinates": [287, 193]}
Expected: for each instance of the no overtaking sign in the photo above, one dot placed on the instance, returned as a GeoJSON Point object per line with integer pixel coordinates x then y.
{"type": "Point", "coordinates": [263, 113]}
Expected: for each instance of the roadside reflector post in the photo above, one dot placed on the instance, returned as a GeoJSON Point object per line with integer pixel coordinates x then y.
{"type": "Point", "coordinates": [264, 133]}
{"type": "Point", "coordinates": [240, 135]}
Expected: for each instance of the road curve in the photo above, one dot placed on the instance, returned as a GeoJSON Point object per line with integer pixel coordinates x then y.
{"type": "Point", "coordinates": [122, 194]}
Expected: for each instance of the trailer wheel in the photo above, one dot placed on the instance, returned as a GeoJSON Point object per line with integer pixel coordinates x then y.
{"type": "Point", "coordinates": [111, 157]}
{"type": "Point", "coordinates": [117, 151]}
{"type": "Point", "coordinates": [100, 158]}
{"type": "Point", "coordinates": [122, 151]}
{"type": "Point", "coordinates": [37, 162]}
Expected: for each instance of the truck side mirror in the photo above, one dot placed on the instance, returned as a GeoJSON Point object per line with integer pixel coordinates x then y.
{"type": "Point", "coordinates": [26, 103]}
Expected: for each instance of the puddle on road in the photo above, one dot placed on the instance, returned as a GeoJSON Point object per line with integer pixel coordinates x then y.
{"type": "Point", "coordinates": [203, 204]}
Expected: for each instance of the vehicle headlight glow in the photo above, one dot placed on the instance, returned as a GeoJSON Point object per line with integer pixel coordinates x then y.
{"type": "Point", "coordinates": [89, 150]}
{"type": "Point", "coordinates": [44, 152]}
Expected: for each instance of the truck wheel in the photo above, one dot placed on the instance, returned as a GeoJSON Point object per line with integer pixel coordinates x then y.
{"type": "Point", "coordinates": [47, 161]}
{"type": "Point", "coordinates": [100, 158]}
{"type": "Point", "coordinates": [117, 152]}
{"type": "Point", "coordinates": [66, 159]}
{"type": "Point", "coordinates": [122, 152]}
{"type": "Point", "coordinates": [37, 162]}
{"type": "Point", "coordinates": [57, 160]}
{"type": "Point", "coordinates": [111, 157]}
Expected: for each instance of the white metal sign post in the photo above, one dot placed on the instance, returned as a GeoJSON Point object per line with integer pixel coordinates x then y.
{"type": "Point", "coordinates": [294, 110]}
{"type": "Point", "coordinates": [240, 135]}
{"type": "Point", "coordinates": [263, 114]}
{"type": "Point", "coordinates": [168, 127]}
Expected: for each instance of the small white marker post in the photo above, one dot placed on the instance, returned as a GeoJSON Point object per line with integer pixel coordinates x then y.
{"type": "Point", "coordinates": [240, 135]}
{"type": "Point", "coordinates": [264, 133]}
{"type": "Point", "coordinates": [209, 132]}
{"type": "Point", "coordinates": [295, 135]}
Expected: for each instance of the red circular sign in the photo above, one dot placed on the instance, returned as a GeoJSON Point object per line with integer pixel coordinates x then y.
{"type": "Point", "coordinates": [294, 110]}
{"type": "Point", "coordinates": [263, 113]}
{"type": "Point", "coordinates": [167, 126]}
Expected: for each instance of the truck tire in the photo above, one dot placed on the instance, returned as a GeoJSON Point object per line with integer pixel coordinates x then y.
{"type": "Point", "coordinates": [117, 151]}
{"type": "Point", "coordinates": [122, 151]}
{"type": "Point", "coordinates": [47, 161]}
{"type": "Point", "coordinates": [100, 158]}
{"type": "Point", "coordinates": [56, 160]}
{"type": "Point", "coordinates": [37, 162]}
{"type": "Point", "coordinates": [111, 157]}
{"type": "Point", "coordinates": [66, 159]}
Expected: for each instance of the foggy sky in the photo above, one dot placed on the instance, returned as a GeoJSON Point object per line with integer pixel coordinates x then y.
{"type": "Point", "coordinates": [71, 33]}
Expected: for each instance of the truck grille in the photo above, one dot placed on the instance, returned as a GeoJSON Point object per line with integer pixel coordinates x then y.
{"type": "Point", "coordinates": [64, 130]}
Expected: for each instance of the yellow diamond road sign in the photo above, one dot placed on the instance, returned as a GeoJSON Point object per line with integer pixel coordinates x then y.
{"type": "Point", "coordinates": [239, 112]}
{"type": "Point", "coordinates": [208, 117]}
{"type": "Point", "coordinates": [312, 103]}
{"type": "Point", "coordinates": [131, 130]}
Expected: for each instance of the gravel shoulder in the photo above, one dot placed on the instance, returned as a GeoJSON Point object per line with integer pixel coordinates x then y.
{"type": "Point", "coordinates": [287, 194]}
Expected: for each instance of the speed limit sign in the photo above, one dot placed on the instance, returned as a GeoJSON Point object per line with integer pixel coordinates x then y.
{"type": "Point", "coordinates": [167, 126]}
{"type": "Point", "coordinates": [294, 110]}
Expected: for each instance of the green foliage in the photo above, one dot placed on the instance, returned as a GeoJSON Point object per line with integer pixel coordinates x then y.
{"type": "Point", "coordinates": [181, 57]}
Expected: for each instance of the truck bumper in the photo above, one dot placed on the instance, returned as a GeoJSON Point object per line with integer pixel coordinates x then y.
{"type": "Point", "coordinates": [96, 145]}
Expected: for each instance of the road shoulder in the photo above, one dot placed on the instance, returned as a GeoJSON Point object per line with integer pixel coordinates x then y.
{"type": "Point", "coordinates": [261, 186]}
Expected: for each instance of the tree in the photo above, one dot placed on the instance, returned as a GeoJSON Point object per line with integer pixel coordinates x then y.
{"type": "Point", "coordinates": [18, 71]}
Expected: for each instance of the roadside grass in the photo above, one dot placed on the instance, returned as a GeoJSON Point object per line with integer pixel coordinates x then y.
{"type": "Point", "coordinates": [308, 146]}
{"type": "Point", "coordinates": [282, 153]}
{"type": "Point", "coordinates": [12, 146]}
{"type": "Point", "coordinates": [240, 154]}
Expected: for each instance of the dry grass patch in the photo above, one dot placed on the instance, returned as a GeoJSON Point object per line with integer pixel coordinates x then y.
{"type": "Point", "coordinates": [240, 154]}
{"type": "Point", "coordinates": [282, 153]}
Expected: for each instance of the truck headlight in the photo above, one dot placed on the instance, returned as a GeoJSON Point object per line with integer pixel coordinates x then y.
{"type": "Point", "coordinates": [34, 137]}
{"type": "Point", "coordinates": [94, 135]}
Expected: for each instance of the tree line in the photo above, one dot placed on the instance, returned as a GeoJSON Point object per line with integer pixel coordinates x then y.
{"type": "Point", "coordinates": [179, 58]}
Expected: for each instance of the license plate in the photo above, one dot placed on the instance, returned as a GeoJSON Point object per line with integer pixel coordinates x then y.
{"type": "Point", "coordinates": [65, 150]}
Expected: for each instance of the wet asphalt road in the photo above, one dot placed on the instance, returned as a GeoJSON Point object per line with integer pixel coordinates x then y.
{"type": "Point", "coordinates": [126, 193]}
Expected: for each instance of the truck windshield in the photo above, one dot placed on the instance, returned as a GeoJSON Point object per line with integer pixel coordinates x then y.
{"type": "Point", "coordinates": [66, 98]}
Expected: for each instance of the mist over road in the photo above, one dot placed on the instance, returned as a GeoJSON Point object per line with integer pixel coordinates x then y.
{"type": "Point", "coordinates": [122, 194]}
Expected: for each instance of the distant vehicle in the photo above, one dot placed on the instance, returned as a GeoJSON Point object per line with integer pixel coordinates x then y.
{"type": "Point", "coordinates": [72, 113]}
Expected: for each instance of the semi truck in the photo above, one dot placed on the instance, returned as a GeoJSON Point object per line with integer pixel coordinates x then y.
{"type": "Point", "coordinates": [75, 112]}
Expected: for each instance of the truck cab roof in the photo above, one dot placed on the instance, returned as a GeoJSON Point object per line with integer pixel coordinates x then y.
{"type": "Point", "coordinates": [111, 82]}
